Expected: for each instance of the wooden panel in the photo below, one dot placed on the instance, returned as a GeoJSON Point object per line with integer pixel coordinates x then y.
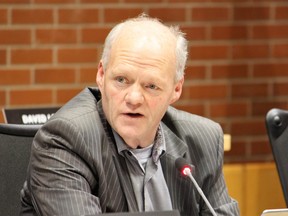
{"type": "Point", "coordinates": [235, 179]}
{"type": "Point", "coordinates": [256, 187]}
{"type": "Point", "coordinates": [263, 190]}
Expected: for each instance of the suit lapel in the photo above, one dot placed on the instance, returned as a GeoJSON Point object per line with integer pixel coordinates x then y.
{"type": "Point", "coordinates": [125, 181]}
{"type": "Point", "coordinates": [176, 183]}
{"type": "Point", "coordinates": [119, 164]}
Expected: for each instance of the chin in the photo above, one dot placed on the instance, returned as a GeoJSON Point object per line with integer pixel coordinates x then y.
{"type": "Point", "coordinates": [128, 134]}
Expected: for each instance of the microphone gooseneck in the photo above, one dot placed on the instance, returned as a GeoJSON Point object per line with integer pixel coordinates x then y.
{"type": "Point", "coordinates": [186, 169]}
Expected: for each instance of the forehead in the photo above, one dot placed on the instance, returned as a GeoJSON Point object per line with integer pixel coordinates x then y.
{"type": "Point", "coordinates": [154, 32]}
{"type": "Point", "coordinates": [146, 39]}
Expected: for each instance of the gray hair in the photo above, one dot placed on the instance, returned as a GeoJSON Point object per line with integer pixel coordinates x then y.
{"type": "Point", "coordinates": [180, 49]}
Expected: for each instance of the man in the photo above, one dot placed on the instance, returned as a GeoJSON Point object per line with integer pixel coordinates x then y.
{"type": "Point", "coordinates": [114, 149]}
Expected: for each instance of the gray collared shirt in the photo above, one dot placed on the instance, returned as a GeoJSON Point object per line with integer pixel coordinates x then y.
{"type": "Point", "coordinates": [146, 173]}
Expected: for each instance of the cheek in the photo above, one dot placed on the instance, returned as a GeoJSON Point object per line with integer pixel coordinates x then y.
{"type": "Point", "coordinates": [158, 106]}
{"type": "Point", "coordinates": [114, 100]}
{"type": "Point", "coordinates": [108, 99]}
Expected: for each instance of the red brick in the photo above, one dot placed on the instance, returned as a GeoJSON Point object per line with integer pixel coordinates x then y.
{"type": "Point", "coordinates": [146, 1]}
{"type": "Point", "coordinates": [260, 108]}
{"type": "Point", "coordinates": [262, 1]}
{"type": "Point", "coordinates": [52, 36]}
{"type": "Point", "coordinates": [280, 88]}
{"type": "Point", "coordinates": [187, 1]}
{"type": "Point", "coordinates": [3, 16]}
{"type": "Point", "coordinates": [233, 109]}
{"type": "Point", "coordinates": [208, 52]}
{"type": "Point", "coordinates": [64, 95]}
{"type": "Point", "coordinates": [195, 32]}
{"type": "Point", "coordinates": [77, 16]}
{"type": "Point", "coordinates": [94, 35]}
{"type": "Point", "coordinates": [54, 1]}
{"type": "Point", "coordinates": [120, 14]}
{"type": "Point", "coordinates": [280, 50]}
{"type": "Point", "coordinates": [14, 1]}
{"type": "Point", "coordinates": [248, 127]}
{"type": "Point", "coordinates": [229, 32]}
{"type": "Point", "coordinates": [250, 51]}
{"type": "Point", "coordinates": [2, 98]}
{"type": "Point", "coordinates": [224, 125]}
{"type": "Point", "coordinates": [30, 97]}
{"type": "Point", "coordinates": [14, 37]}
{"type": "Point", "coordinates": [14, 77]}
{"type": "Point", "coordinates": [31, 56]}
{"type": "Point", "coordinates": [2, 56]}
{"type": "Point", "coordinates": [230, 1]}
{"type": "Point", "coordinates": [229, 71]}
{"type": "Point", "coordinates": [54, 75]}
{"type": "Point", "coordinates": [210, 14]}
{"type": "Point", "coordinates": [249, 90]}
{"type": "Point", "coordinates": [261, 147]}
{"type": "Point", "coordinates": [204, 92]}
{"type": "Point", "coordinates": [270, 31]}
{"type": "Point", "coordinates": [1, 117]}
{"type": "Point", "coordinates": [251, 13]}
{"type": "Point", "coordinates": [185, 93]}
{"type": "Point", "coordinates": [238, 148]}
{"type": "Point", "coordinates": [80, 55]}
{"type": "Point", "coordinates": [88, 75]}
{"type": "Point", "coordinates": [99, 1]}
{"type": "Point", "coordinates": [197, 109]}
{"type": "Point", "coordinates": [168, 14]}
{"type": "Point", "coordinates": [32, 16]}
{"type": "Point", "coordinates": [281, 13]}
{"type": "Point", "coordinates": [271, 70]}
{"type": "Point", "coordinates": [195, 72]}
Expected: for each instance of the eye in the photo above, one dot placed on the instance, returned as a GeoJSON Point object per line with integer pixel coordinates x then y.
{"type": "Point", "coordinates": [120, 79]}
{"type": "Point", "coordinates": [152, 86]}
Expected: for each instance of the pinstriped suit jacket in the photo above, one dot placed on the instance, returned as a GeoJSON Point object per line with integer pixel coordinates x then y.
{"type": "Point", "coordinates": [75, 168]}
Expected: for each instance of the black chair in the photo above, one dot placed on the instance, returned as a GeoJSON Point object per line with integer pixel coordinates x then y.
{"type": "Point", "coordinates": [15, 144]}
{"type": "Point", "coordinates": [276, 124]}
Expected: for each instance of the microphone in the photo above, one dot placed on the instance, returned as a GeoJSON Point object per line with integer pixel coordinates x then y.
{"type": "Point", "coordinates": [186, 170]}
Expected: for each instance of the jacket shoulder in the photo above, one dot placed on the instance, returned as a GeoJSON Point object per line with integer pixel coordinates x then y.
{"type": "Point", "coordinates": [82, 104]}
{"type": "Point", "coordinates": [175, 116]}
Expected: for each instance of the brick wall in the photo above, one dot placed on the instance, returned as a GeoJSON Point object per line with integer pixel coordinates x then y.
{"type": "Point", "coordinates": [237, 68]}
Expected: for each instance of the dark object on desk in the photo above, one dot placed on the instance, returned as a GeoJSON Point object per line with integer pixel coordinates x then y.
{"type": "Point", "coordinates": [15, 144]}
{"type": "Point", "coordinates": [276, 123]}
{"type": "Point", "coordinates": [29, 116]}
{"type": "Point", "coordinates": [155, 213]}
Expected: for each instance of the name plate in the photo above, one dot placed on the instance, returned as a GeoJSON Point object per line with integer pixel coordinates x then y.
{"type": "Point", "coordinates": [35, 116]}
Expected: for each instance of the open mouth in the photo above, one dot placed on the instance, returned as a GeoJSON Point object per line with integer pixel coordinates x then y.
{"type": "Point", "coordinates": [134, 115]}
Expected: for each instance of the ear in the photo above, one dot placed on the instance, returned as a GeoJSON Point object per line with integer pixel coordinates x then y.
{"type": "Point", "coordinates": [177, 91]}
{"type": "Point", "coordinates": [100, 76]}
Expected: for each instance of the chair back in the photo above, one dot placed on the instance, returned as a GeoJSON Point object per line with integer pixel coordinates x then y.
{"type": "Point", "coordinates": [276, 124]}
{"type": "Point", "coordinates": [15, 144]}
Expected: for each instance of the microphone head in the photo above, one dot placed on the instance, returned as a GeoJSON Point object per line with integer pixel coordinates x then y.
{"type": "Point", "coordinates": [183, 167]}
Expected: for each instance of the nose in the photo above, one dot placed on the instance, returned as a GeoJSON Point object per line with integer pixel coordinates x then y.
{"type": "Point", "coordinates": [134, 96]}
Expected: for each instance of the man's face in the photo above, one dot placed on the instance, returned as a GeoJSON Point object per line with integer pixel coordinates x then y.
{"type": "Point", "coordinates": [137, 87]}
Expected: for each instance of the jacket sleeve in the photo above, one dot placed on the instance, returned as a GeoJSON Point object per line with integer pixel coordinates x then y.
{"type": "Point", "coordinates": [60, 180]}
{"type": "Point", "coordinates": [217, 192]}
